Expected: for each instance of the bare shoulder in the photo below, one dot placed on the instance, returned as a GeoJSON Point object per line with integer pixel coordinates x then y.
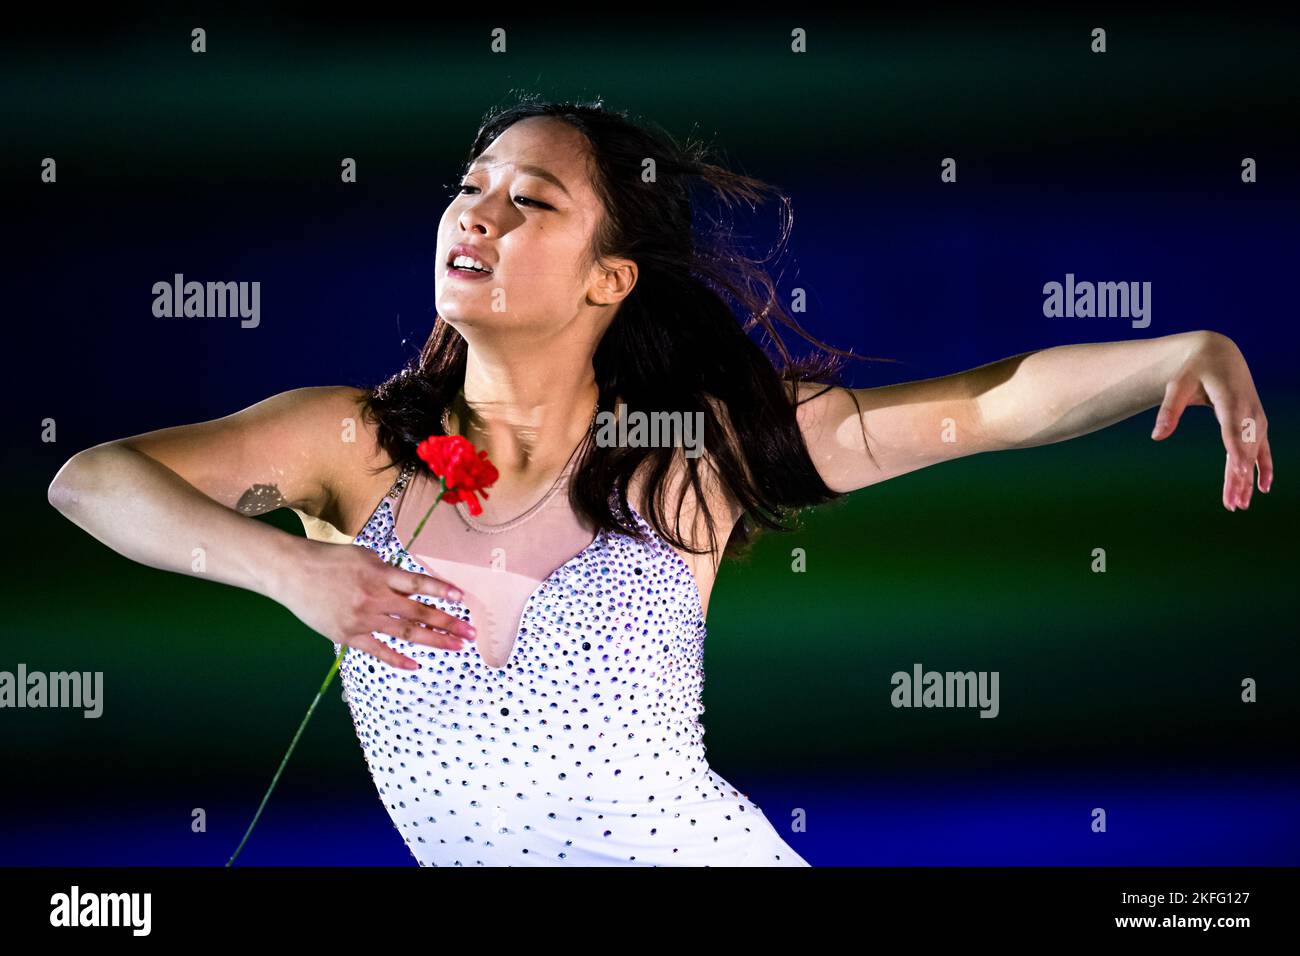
{"type": "Point", "coordinates": [816, 401]}
{"type": "Point", "coordinates": [830, 421]}
{"type": "Point", "coordinates": [360, 470]}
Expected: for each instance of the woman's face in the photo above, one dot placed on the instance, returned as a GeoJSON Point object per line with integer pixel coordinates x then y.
{"type": "Point", "coordinates": [527, 205]}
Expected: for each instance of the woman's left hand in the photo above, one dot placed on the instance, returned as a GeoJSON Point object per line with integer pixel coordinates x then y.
{"type": "Point", "coordinates": [1215, 374]}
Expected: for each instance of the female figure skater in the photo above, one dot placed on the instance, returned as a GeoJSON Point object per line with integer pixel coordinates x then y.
{"type": "Point", "coordinates": [526, 684]}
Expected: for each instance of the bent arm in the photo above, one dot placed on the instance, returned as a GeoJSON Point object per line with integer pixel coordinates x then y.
{"type": "Point", "coordinates": [179, 498]}
{"type": "Point", "coordinates": [146, 512]}
{"type": "Point", "coordinates": [858, 437]}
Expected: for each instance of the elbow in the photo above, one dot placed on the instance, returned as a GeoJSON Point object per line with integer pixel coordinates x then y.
{"type": "Point", "coordinates": [62, 491]}
{"type": "Point", "coordinates": [69, 482]}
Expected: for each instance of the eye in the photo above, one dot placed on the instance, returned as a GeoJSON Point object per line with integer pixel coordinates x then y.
{"type": "Point", "coordinates": [522, 200]}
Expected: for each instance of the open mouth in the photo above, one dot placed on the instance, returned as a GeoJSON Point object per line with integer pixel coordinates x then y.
{"type": "Point", "coordinates": [469, 265]}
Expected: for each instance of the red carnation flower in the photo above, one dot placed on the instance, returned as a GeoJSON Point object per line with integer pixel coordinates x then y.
{"type": "Point", "coordinates": [464, 471]}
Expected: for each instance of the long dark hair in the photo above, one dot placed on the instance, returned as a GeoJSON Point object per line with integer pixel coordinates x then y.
{"type": "Point", "coordinates": [673, 344]}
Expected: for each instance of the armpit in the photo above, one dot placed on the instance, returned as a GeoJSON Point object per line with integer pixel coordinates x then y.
{"type": "Point", "coordinates": [260, 499]}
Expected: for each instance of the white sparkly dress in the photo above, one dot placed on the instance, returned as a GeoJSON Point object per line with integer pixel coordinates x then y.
{"type": "Point", "coordinates": [568, 732]}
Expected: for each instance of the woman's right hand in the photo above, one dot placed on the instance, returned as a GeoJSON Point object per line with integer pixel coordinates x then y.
{"type": "Point", "coordinates": [346, 591]}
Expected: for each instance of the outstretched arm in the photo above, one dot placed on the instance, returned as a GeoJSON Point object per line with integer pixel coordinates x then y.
{"type": "Point", "coordinates": [1038, 398]}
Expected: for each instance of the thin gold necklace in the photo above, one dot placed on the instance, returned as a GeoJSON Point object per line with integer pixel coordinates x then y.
{"type": "Point", "coordinates": [476, 525]}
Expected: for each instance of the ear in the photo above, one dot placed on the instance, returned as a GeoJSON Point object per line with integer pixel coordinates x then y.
{"type": "Point", "coordinates": [616, 279]}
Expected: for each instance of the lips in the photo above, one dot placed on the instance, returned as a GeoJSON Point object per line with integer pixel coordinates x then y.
{"type": "Point", "coordinates": [465, 249]}
{"type": "Point", "coordinates": [468, 275]}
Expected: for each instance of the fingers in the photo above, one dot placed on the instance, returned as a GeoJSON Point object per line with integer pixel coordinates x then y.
{"type": "Point", "coordinates": [1238, 473]}
{"type": "Point", "coordinates": [411, 630]}
{"type": "Point", "coordinates": [1229, 493]}
{"type": "Point", "coordinates": [1244, 429]}
{"type": "Point", "coordinates": [414, 610]}
{"type": "Point", "coordinates": [375, 648]}
{"type": "Point", "coordinates": [1265, 462]}
{"type": "Point", "coordinates": [409, 617]}
{"type": "Point", "coordinates": [1245, 438]}
{"type": "Point", "coordinates": [416, 586]}
{"type": "Point", "coordinates": [420, 632]}
{"type": "Point", "coordinates": [396, 606]}
{"type": "Point", "coordinates": [1177, 394]}
{"type": "Point", "coordinates": [410, 582]}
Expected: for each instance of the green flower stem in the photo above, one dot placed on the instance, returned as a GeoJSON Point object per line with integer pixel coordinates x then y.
{"type": "Point", "coordinates": [420, 527]}
{"type": "Point", "coordinates": [310, 710]}
{"type": "Point", "coordinates": [338, 659]}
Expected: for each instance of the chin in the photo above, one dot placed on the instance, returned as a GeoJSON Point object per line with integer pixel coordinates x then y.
{"type": "Point", "coordinates": [463, 319]}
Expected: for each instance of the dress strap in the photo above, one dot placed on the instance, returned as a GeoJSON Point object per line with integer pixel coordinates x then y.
{"type": "Point", "coordinates": [403, 479]}
{"type": "Point", "coordinates": [400, 484]}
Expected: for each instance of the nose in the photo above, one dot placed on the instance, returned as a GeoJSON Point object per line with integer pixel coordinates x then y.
{"type": "Point", "coordinates": [473, 222]}
{"type": "Point", "coordinates": [474, 218]}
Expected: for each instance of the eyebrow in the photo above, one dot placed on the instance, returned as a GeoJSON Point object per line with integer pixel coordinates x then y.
{"type": "Point", "coordinates": [538, 171]}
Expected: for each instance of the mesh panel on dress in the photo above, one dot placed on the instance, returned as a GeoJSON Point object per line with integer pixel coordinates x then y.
{"type": "Point", "coordinates": [497, 572]}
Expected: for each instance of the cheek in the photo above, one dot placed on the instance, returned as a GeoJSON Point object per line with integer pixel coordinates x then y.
{"type": "Point", "coordinates": [554, 257]}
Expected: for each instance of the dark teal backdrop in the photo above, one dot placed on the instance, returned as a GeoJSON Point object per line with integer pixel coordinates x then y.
{"type": "Point", "coordinates": [1118, 690]}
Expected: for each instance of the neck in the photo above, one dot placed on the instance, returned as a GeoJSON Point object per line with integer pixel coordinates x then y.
{"type": "Point", "coordinates": [527, 411]}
